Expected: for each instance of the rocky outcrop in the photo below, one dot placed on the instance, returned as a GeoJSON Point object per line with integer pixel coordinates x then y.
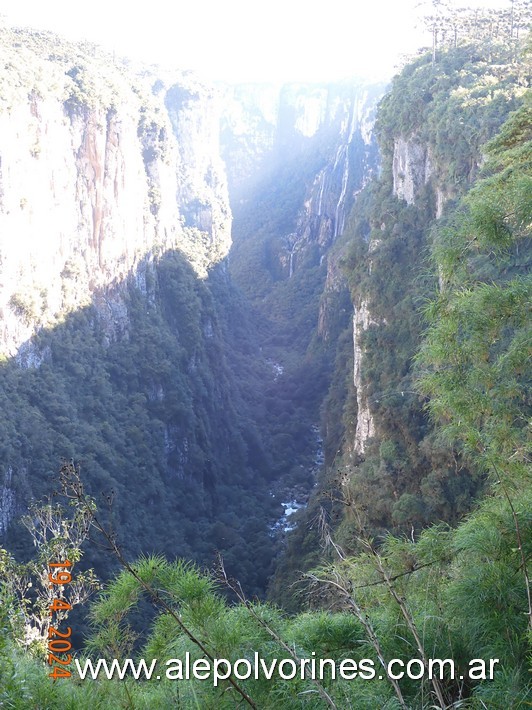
{"type": "Point", "coordinates": [347, 115]}
{"type": "Point", "coordinates": [412, 167]}
{"type": "Point", "coordinates": [99, 176]}
{"type": "Point", "coordinates": [335, 295]}
{"type": "Point", "coordinates": [90, 189]}
{"type": "Point", "coordinates": [325, 131]}
{"type": "Point", "coordinates": [7, 502]}
{"type": "Point", "coordinates": [365, 426]}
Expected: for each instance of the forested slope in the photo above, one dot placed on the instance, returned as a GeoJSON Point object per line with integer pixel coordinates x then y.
{"type": "Point", "coordinates": [381, 448]}
{"type": "Point", "coordinates": [420, 534]}
{"type": "Point", "coordinates": [124, 344]}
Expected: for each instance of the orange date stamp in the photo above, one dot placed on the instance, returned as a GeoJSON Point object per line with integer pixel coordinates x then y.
{"type": "Point", "coordinates": [59, 643]}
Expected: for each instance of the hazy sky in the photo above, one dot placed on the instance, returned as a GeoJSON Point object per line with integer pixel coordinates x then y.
{"type": "Point", "coordinates": [241, 39]}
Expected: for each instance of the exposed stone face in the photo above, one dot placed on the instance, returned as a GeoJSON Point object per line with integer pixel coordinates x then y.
{"type": "Point", "coordinates": [352, 159]}
{"type": "Point", "coordinates": [202, 186]}
{"type": "Point", "coordinates": [412, 168]}
{"type": "Point", "coordinates": [292, 126]}
{"type": "Point", "coordinates": [94, 193]}
{"type": "Point", "coordinates": [365, 428]}
{"type": "Point", "coordinates": [324, 134]}
{"type": "Point", "coordinates": [88, 194]}
{"type": "Point", "coordinates": [442, 195]}
{"type": "Point", "coordinates": [7, 502]}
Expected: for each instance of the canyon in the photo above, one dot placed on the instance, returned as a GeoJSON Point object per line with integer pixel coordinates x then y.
{"type": "Point", "coordinates": [193, 283]}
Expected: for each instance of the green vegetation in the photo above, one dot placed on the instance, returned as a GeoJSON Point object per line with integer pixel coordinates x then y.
{"type": "Point", "coordinates": [477, 347]}
{"type": "Point", "coordinates": [453, 107]}
{"type": "Point", "coordinates": [179, 414]}
{"type": "Point", "coordinates": [158, 387]}
{"type": "Point", "coordinates": [160, 416]}
{"type": "Point", "coordinates": [286, 302]}
{"type": "Point", "coordinates": [452, 594]}
{"type": "Point", "coordinates": [408, 476]}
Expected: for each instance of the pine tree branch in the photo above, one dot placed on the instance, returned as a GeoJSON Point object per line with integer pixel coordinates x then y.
{"type": "Point", "coordinates": [73, 488]}
{"type": "Point", "coordinates": [438, 690]}
{"type": "Point", "coordinates": [351, 601]}
{"type": "Point", "coordinates": [236, 588]}
{"type": "Point", "coordinates": [370, 633]}
{"type": "Point", "coordinates": [519, 544]}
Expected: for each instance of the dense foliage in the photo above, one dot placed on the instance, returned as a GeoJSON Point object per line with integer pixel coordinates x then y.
{"type": "Point", "coordinates": [458, 589]}
{"type": "Point", "coordinates": [158, 386]}
{"type": "Point", "coordinates": [477, 347]}
{"type": "Point", "coordinates": [160, 417]}
{"type": "Point", "coordinates": [408, 477]}
{"type": "Point", "coordinates": [449, 595]}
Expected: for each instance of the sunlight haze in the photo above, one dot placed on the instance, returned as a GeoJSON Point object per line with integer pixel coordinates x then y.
{"type": "Point", "coordinates": [301, 40]}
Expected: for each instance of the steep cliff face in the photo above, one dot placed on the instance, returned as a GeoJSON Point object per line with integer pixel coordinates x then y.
{"type": "Point", "coordinates": [323, 134]}
{"type": "Point", "coordinates": [365, 423]}
{"type": "Point", "coordinates": [7, 501]}
{"type": "Point", "coordinates": [312, 155]}
{"type": "Point", "coordinates": [349, 118]}
{"type": "Point", "coordinates": [123, 338]}
{"type": "Point", "coordinates": [411, 168]}
{"type": "Point", "coordinates": [117, 333]}
{"type": "Point", "coordinates": [310, 151]}
{"type": "Point", "coordinates": [125, 341]}
{"type": "Point", "coordinates": [431, 127]}
{"type": "Point", "coordinates": [91, 186]}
